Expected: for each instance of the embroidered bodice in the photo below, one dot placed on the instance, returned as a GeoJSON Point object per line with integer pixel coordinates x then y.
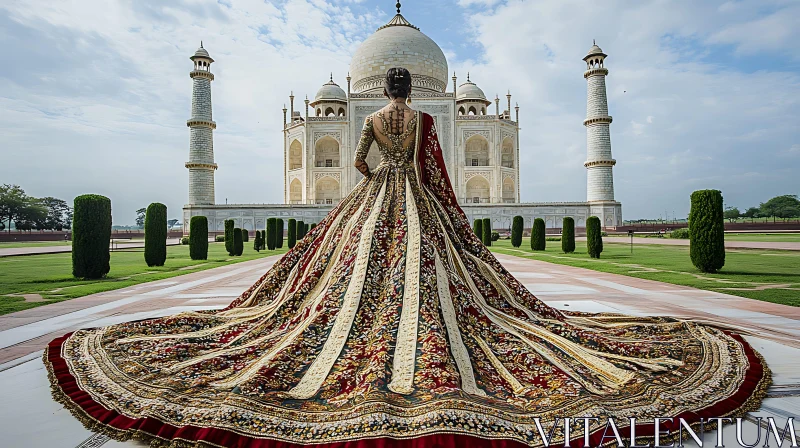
{"type": "Point", "coordinates": [397, 149]}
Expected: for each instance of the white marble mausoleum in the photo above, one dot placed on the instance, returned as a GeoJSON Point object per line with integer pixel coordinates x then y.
{"type": "Point", "coordinates": [479, 138]}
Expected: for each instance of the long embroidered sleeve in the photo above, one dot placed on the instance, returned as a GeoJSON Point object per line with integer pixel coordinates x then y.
{"type": "Point", "coordinates": [367, 137]}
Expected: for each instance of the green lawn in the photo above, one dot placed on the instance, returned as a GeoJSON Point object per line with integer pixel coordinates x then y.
{"type": "Point", "coordinates": [14, 245]}
{"type": "Point", "coordinates": [770, 237]}
{"type": "Point", "coordinates": [768, 275]}
{"type": "Point", "coordinates": [50, 276]}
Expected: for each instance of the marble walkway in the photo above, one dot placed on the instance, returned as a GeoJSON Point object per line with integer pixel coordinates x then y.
{"type": "Point", "coordinates": [29, 418]}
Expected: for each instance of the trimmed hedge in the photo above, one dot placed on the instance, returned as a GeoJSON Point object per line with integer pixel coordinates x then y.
{"type": "Point", "coordinates": [198, 238]}
{"type": "Point", "coordinates": [155, 234]}
{"type": "Point", "coordinates": [477, 227]}
{"type": "Point", "coordinates": [219, 238]}
{"type": "Point", "coordinates": [682, 233]}
{"type": "Point", "coordinates": [308, 229]}
{"type": "Point", "coordinates": [280, 230]}
{"type": "Point", "coordinates": [238, 244]}
{"type": "Point", "coordinates": [229, 236]}
{"type": "Point", "coordinates": [594, 237]}
{"type": "Point", "coordinates": [568, 235]}
{"type": "Point", "coordinates": [257, 241]}
{"type": "Point", "coordinates": [516, 231]}
{"type": "Point", "coordinates": [487, 231]}
{"type": "Point", "coordinates": [184, 241]}
{"type": "Point", "coordinates": [271, 233]}
{"type": "Point", "coordinates": [245, 236]}
{"type": "Point", "coordinates": [291, 237]}
{"type": "Point", "coordinates": [91, 236]}
{"type": "Point", "coordinates": [495, 236]}
{"type": "Point", "coordinates": [538, 235]}
{"type": "Point", "coordinates": [264, 239]}
{"type": "Point", "coordinates": [301, 230]}
{"type": "Point", "coordinates": [707, 231]}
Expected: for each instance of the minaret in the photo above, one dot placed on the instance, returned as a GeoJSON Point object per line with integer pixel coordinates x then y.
{"type": "Point", "coordinates": [201, 131]}
{"type": "Point", "coordinates": [599, 163]}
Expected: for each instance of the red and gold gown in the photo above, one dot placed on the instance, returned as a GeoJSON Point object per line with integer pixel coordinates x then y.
{"type": "Point", "coordinates": [391, 325]}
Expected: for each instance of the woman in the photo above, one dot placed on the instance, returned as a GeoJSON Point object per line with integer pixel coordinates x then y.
{"type": "Point", "coordinates": [391, 321]}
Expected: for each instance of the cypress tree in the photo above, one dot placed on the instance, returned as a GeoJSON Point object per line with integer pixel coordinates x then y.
{"type": "Point", "coordinates": [291, 233]}
{"type": "Point", "coordinates": [279, 240]}
{"type": "Point", "coordinates": [313, 224]}
{"type": "Point", "coordinates": [271, 233]}
{"type": "Point", "coordinates": [487, 232]}
{"type": "Point", "coordinates": [257, 241]}
{"type": "Point", "coordinates": [238, 245]}
{"type": "Point", "coordinates": [91, 235]}
{"type": "Point", "coordinates": [516, 231]}
{"type": "Point", "coordinates": [305, 232]}
{"type": "Point", "coordinates": [155, 234]}
{"type": "Point", "coordinates": [245, 236]}
{"type": "Point", "coordinates": [264, 239]}
{"type": "Point", "coordinates": [568, 235]}
{"type": "Point", "coordinates": [301, 230]}
{"type": "Point", "coordinates": [477, 227]}
{"type": "Point", "coordinates": [229, 236]}
{"type": "Point", "coordinates": [198, 238]}
{"type": "Point", "coordinates": [707, 231]}
{"type": "Point", "coordinates": [594, 237]}
{"type": "Point", "coordinates": [537, 235]}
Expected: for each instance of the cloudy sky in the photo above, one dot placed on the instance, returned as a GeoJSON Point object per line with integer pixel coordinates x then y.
{"type": "Point", "coordinates": [705, 94]}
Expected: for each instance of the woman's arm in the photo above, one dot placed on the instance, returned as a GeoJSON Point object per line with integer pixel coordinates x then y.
{"type": "Point", "coordinates": [367, 137]}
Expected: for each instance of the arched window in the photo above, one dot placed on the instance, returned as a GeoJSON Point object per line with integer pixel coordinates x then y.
{"type": "Point", "coordinates": [476, 151]}
{"type": "Point", "coordinates": [329, 112]}
{"type": "Point", "coordinates": [507, 153]}
{"type": "Point", "coordinates": [477, 190]}
{"type": "Point", "coordinates": [295, 155]}
{"type": "Point", "coordinates": [295, 192]}
{"type": "Point", "coordinates": [508, 190]}
{"type": "Point", "coordinates": [472, 110]}
{"type": "Point", "coordinates": [319, 112]}
{"type": "Point", "coordinates": [341, 111]}
{"type": "Point", "coordinates": [327, 191]}
{"type": "Point", "coordinates": [326, 152]}
{"type": "Point", "coordinates": [461, 110]}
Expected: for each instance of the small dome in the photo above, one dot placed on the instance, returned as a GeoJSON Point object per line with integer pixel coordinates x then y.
{"type": "Point", "coordinates": [594, 51]}
{"type": "Point", "coordinates": [469, 91]}
{"type": "Point", "coordinates": [201, 53]}
{"type": "Point", "coordinates": [330, 91]}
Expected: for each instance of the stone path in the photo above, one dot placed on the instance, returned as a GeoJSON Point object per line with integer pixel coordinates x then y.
{"type": "Point", "coordinates": [30, 418]}
{"type": "Point", "coordinates": [784, 245]}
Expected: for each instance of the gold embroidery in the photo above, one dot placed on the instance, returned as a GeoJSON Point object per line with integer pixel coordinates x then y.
{"type": "Point", "coordinates": [406, 347]}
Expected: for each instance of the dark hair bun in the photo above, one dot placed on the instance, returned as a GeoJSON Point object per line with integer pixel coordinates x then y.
{"type": "Point", "coordinates": [397, 83]}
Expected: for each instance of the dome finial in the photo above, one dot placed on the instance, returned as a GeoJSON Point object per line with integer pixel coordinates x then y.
{"type": "Point", "coordinates": [468, 77]}
{"type": "Point", "coordinates": [331, 76]}
{"type": "Point", "coordinates": [398, 6]}
{"type": "Point", "coordinates": [594, 42]}
{"type": "Point", "coordinates": [201, 44]}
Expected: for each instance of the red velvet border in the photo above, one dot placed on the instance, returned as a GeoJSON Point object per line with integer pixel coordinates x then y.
{"type": "Point", "coordinates": [228, 439]}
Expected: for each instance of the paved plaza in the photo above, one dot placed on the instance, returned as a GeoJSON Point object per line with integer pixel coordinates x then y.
{"type": "Point", "coordinates": [30, 418]}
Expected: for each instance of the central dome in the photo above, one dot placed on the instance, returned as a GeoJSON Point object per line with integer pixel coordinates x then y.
{"type": "Point", "coordinates": [399, 44]}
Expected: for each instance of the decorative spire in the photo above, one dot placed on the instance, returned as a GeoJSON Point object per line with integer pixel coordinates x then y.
{"type": "Point", "coordinates": [331, 76]}
{"type": "Point", "coordinates": [398, 6]}
{"type": "Point", "coordinates": [201, 44]}
{"type": "Point", "coordinates": [468, 77]}
{"type": "Point", "coordinates": [593, 42]}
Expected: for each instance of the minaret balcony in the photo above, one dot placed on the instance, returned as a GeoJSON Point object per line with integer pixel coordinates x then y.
{"type": "Point", "coordinates": [593, 163]}
{"type": "Point", "coordinates": [201, 74]}
{"type": "Point", "coordinates": [597, 120]}
{"type": "Point", "coordinates": [599, 71]}
{"type": "Point", "coordinates": [192, 122]}
{"type": "Point", "coordinates": [201, 165]}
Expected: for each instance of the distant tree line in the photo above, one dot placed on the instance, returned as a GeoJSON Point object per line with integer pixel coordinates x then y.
{"type": "Point", "coordinates": [786, 206]}
{"type": "Point", "coordinates": [31, 213]}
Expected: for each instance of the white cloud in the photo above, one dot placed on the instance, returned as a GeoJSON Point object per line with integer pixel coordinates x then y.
{"type": "Point", "coordinates": [715, 121]}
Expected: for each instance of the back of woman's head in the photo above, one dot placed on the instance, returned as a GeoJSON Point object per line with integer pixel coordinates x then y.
{"type": "Point", "coordinates": [397, 83]}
